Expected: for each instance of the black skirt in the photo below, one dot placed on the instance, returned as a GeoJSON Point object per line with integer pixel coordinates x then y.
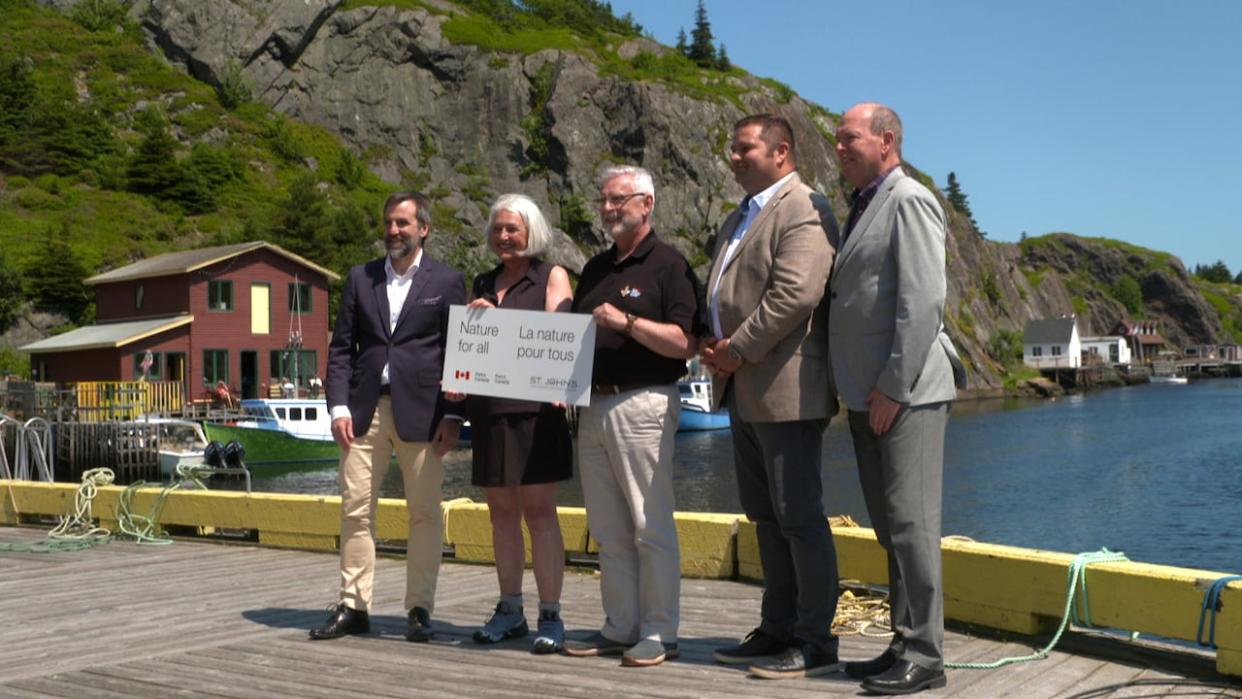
{"type": "Point", "coordinates": [521, 448]}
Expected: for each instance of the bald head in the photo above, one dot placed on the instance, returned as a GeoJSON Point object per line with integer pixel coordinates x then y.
{"type": "Point", "coordinates": [868, 142]}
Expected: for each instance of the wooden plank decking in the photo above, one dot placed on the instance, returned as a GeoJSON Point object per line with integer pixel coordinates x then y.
{"type": "Point", "coordinates": [212, 620]}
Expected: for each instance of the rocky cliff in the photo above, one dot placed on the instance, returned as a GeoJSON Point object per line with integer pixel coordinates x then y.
{"type": "Point", "coordinates": [434, 107]}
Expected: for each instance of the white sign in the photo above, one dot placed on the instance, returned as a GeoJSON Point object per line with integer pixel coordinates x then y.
{"type": "Point", "coordinates": [529, 355]}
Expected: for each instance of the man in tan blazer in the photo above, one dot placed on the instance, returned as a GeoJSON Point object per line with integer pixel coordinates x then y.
{"type": "Point", "coordinates": [770, 362]}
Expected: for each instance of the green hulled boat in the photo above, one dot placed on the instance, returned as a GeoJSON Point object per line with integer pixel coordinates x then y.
{"type": "Point", "coordinates": [280, 431]}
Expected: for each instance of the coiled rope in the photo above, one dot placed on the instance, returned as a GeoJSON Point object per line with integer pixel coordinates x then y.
{"type": "Point", "coordinates": [861, 615]}
{"type": "Point", "coordinates": [77, 530]}
{"type": "Point", "coordinates": [1077, 592]}
{"type": "Point", "coordinates": [145, 528]}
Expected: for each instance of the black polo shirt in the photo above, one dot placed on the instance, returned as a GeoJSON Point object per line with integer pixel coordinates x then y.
{"type": "Point", "coordinates": [655, 282]}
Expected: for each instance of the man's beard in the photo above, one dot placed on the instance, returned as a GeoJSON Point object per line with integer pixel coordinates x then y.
{"type": "Point", "coordinates": [401, 247]}
{"type": "Point", "coordinates": [618, 226]}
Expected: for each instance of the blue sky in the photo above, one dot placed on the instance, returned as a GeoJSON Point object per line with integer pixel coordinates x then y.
{"type": "Point", "coordinates": [1113, 118]}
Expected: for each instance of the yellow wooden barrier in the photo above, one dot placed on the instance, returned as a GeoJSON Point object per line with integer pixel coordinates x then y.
{"type": "Point", "coordinates": [126, 400]}
{"type": "Point", "coordinates": [1003, 587]}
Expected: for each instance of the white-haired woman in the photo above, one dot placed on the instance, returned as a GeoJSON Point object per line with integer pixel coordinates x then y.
{"type": "Point", "coordinates": [522, 448]}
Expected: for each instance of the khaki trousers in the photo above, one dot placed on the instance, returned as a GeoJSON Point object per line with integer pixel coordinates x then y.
{"type": "Point", "coordinates": [363, 469]}
{"type": "Point", "coordinates": [625, 458]}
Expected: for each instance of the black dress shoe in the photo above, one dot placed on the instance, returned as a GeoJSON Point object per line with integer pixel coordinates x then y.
{"type": "Point", "coordinates": [904, 677]}
{"type": "Point", "coordinates": [344, 621]}
{"type": "Point", "coordinates": [875, 666]}
{"type": "Point", "coordinates": [420, 626]}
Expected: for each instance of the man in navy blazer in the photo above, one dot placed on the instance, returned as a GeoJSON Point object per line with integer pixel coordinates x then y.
{"type": "Point", "coordinates": [383, 388]}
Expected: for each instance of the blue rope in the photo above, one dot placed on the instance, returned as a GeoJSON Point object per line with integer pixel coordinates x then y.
{"type": "Point", "coordinates": [1211, 601]}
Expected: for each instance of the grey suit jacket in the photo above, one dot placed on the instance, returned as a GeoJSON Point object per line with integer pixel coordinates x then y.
{"type": "Point", "coordinates": [887, 293]}
{"type": "Point", "coordinates": [771, 307]}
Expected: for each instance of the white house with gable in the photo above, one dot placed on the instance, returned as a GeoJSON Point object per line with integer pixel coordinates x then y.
{"type": "Point", "coordinates": [1105, 349]}
{"type": "Point", "coordinates": [1052, 343]}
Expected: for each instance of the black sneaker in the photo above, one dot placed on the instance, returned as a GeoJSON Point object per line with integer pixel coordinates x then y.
{"type": "Point", "coordinates": [804, 661]}
{"type": "Point", "coordinates": [757, 644]}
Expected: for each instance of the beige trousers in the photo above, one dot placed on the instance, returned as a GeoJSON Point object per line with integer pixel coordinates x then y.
{"type": "Point", "coordinates": [625, 458]}
{"type": "Point", "coordinates": [363, 469]}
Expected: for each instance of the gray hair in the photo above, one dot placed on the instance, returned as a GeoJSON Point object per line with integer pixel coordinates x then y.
{"type": "Point", "coordinates": [538, 232]}
{"type": "Point", "coordinates": [885, 119]}
{"type": "Point", "coordinates": [422, 206]}
{"type": "Point", "coordinates": [642, 179]}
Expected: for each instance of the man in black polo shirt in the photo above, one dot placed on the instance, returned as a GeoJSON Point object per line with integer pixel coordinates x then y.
{"type": "Point", "coordinates": [644, 298]}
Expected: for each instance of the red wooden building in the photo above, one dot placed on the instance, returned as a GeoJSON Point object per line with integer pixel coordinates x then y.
{"type": "Point", "coordinates": [249, 315]}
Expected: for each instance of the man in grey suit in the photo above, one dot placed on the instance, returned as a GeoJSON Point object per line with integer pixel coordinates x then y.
{"type": "Point", "coordinates": [897, 372]}
{"type": "Point", "coordinates": [770, 364]}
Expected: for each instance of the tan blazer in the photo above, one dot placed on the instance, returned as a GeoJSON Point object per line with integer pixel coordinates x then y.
{"type": "Point", "coordinates": [772, 307]}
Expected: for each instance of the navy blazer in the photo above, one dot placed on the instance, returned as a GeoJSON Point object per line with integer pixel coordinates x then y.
{"type": "Point", "coordinates": [414, 351]}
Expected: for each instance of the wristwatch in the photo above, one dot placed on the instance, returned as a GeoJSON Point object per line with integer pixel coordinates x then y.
{"type": "Point", "coordinates": [735, 354]}
{"type": "Point", "coordinates": [629, 323]}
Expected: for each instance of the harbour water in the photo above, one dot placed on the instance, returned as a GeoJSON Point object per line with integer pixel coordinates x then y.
{"type": "Point", "coordinates": [1154, 471]}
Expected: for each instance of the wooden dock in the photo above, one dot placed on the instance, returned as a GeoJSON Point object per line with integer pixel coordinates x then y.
{"type": "Point", "coordinates": [214, 620]}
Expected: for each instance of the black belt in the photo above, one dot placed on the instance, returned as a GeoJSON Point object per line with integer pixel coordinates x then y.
{"type": "Point", "coordinates": [614, 388]}
{"type": "Point", "coordinates": [385, 389]}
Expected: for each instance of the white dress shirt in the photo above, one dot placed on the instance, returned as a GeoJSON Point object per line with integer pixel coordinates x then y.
{"type": "Point", "coordinates": [753, 205]}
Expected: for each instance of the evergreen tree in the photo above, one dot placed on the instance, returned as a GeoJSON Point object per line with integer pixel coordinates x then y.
{"type": "Point", "coordinates": [11, 296]}
{"type": "Point", "coordinates": [42, 133]}
{"type": "Point", "coordinates": [17, 96]}
{"type": "Point", "coordinates": [153, 168]}
{"type": "Point", "coordinates": [302, 225]}
{"type": "Point", "coordinates": [722, 59]}
{"type": "Point", "coordinates": [956, 197]}
{"type": "Point", "coordinates": [55, 277]}
{"type": "Point", "coordinates": [1238, 279]}
{"type": "Point", "coordinates": [702, 45]}
{"type": "Point", "coordinates": [193, 192]}
{"type": "Point", "coordinates": [682, 46]}
{"type": "Point", "coordinates": [1217, 272]}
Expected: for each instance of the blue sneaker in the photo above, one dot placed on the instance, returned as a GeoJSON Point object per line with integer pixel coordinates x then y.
{"type": "Point", "coordinates": [550, 635]}
{"type": "Point", "coordinates": [505, 623]}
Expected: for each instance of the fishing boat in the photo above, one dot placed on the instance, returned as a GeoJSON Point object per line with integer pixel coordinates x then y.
{"type": "Point", "coordinates": [280, 430]}
{"type": "Point", "coordinates": [182, 442]}
{"type": "Point", "coordinates": [696, 407]}
{"type": "Point", "coordinates": [1165, 373]}
{"type": "Point", "coordinates": [286, 431]}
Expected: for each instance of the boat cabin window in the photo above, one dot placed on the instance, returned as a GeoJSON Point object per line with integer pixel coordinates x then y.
{"type": "Point", "coordinates": [295, 413]}
{"type": "Point", "coordinates": [684, 390]}
{"type": "Point", "coordinates": [312, 413]}
{"type": "Point", "coordinates": [280, 413]}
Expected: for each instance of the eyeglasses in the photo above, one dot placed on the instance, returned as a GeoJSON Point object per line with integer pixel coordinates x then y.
{"type": "Point", "coordinates": [617, 201]}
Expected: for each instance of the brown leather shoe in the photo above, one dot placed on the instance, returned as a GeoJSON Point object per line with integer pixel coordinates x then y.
{"type": "Point", "coordinates": [343, 622]}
